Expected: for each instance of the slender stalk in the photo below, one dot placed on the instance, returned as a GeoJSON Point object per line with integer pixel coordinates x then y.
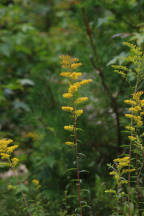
{"type": "Point", "coordinates": [77, 161]}
{"type": "Point", "coordinates": [137, 185]}
{"type": "Point", "coordinates": [22, 193]}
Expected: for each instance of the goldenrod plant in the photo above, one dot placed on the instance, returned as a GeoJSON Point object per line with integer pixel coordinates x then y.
{"type": "Point", "coordinates": [128, 169]}
{"type": "Point", "coordinates": [73, 102]}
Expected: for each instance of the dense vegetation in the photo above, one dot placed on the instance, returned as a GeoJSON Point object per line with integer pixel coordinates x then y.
{"type": "Point", "coordinates": [33, 35]}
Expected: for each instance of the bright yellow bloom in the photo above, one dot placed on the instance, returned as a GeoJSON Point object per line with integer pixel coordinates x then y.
{"type": "Point", "coordinates": [69, 127]}
{"type": "Point", "coordinates": [135, 109]}
{"type": "Point", "coordinates": [142, 113]}
{"type": "Point", "coordinates": [81, 100]}
{"type": "Point", "coordinates": [136, 96]}
{"type": "Point", "coordinates": [5, 156]}
{"type": "Point", "coordinates": [127, 158]}
{"type": "Point", "coordinates": [65, 74]}
{"type": "Point", "coordinates": [76, 65]}
{"type": "Point", "coordinates": [67, 95]}
{"type": "Point", "coordinates": [79, 112]}
{"type": "Point", "coordinates": [130, 102]}
{"type": "Point", "coordinates": [74, 87]}
{"type": "Point", "coordinates": [75, 75]}
{"type": "Point", "coordinates": [11, 148]}
{"type": "Point", "coordinates": [83, 82]}
{"type": "Point", "coordinates": [67, 108]}
{"type": "Point", "coordinates": [69, 143]}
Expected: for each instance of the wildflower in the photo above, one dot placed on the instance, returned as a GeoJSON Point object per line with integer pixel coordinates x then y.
{"type": "Point", "coordinates": [130, 116]}
{"type": "Point", "coordinates": [69, 127]}
{"type": "Point", "coordinates": [142, 102]}
{"type": "Point", "coordinates": [73, 88]}
{"type": "Point", "coordinates": [67, 95]}
{"type": "Point", "coordinates": [67, 108]}
{"type": "Point", "coordinates": [81, 100]}
{"type": "Point", "coordinates": [79, 112]}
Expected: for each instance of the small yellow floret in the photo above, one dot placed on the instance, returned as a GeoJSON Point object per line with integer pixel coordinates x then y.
{"type": "Point", "coordinates": [130, 128]}
{"type": "Point", "coordinates": [79, 112]}
{"type": "Point", "coordinates": [135, 109]}
{"type": "Point", "coordinates": [12, 148]}
{"type": "Point", "coordinates": [67, 108]}
{"type": "Point", "coordinates": [67, 95]}
{"type": "Point", "coordinates": [75, 75]}
{"type": "Point", "coordinates": [69, 127]}
{"type": "Point", "coordinates": [76, 65]}
{"type": "Point", "coordinates": [15, 161]}
{"type": "Point", "coordinates": [81, 100]}
{"type": "Point", "coordinates": [65, 74]}
{"type": "Point", "coordinates": [83, 82]}
{"type": "Point", "coordinates": [136, 96]}
{"type": "Point", "coordinates": [5, 156]}
{"type": "Point", "coordinates": [69, 143]}
{"type": "Point", "coordinates": [35, 181]}
{"type": "Point", "coordinates": [130, 102]}
{"type": "Point", "coordinates": [132, 138]}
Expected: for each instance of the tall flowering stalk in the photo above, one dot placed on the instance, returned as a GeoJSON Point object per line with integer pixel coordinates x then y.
{"type": "Point", "coordinates": [70, 65]}
{"type": "Point", "coordinates": [7, 149]}
{"type": "Point", "coordinates": [133, 73]}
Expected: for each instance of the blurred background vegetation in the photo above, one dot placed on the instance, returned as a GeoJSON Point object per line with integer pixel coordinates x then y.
{"type": "Point", "coordinates": [33, 34]}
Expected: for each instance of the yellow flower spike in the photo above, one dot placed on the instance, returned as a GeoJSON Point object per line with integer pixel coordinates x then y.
{"type": "Point", "coordinates": [15, 161]}
{"type": "Point", "coordinates": [70, 143]}
{"type": "Point", "coordinates": [79, 112]}
{"type": "Point", "coordinates": [141, 113]}
{"type": "Point", "coordinates": [69, 127]}
{"type": "Point", "coordinates": [67, 108]}
{"type": "Point", "coordinates": [81, 100]}
{"type": "Point", "coordinates": [131, 102]}
{"type": "Point", "coordinates": [132, 138]}
{"type": "Point", "coordinates": [139, 123]}
{"type": "Point", "coordinates": [67, 95]}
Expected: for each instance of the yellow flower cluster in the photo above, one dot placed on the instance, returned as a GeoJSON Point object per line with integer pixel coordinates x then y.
{"type": "Point", "coordinates": [122, 162]}
{"type": "Point", "coordinates": [36, 183]}
{"type": "Point", "coordinates": [6, 149]}
{"type": "Point", "coordinates": [80, 100]}
{"type": "Point", "coordinates": [69, 143]}
{"type": "Point", "coordinates": [70, 63]}
{"type": "Point", "coordinates": [69, 127]}
{"type": "Point", "coordinates": [136, 108]}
